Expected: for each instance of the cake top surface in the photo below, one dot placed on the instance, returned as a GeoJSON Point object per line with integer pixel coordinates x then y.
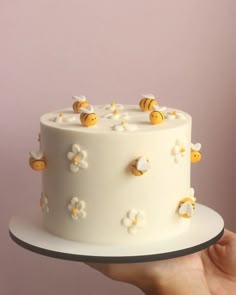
{"type": "Point", "coordinates": [118, 119]}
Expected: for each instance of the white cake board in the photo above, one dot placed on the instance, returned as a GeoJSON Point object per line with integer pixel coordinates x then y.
{"type": "Point", "coordinates": [206, 228]}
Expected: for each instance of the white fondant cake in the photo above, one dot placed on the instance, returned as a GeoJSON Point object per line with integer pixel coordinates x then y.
{"type": "Point", "coordinates": [118, 182]}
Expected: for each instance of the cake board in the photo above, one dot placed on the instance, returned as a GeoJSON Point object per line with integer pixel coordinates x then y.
{"type": "Point", "coordinates": [29, 233]}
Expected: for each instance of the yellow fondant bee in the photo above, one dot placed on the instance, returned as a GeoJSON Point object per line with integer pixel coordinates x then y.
{"type": "Point", "coordinates": [147, 102]}
{"type": "Point", "coordinates": [80, 102]}
{"type": "Point", "coordinates": [196, 156]}
{"type": "Point", "coordinates": [140, 166]}
{"type": "Point", "coordinates": [88, 118]}
{"type": "Point", "coordinates": [157, 116]}
{"type": "Point", "coordinates": [187, 205]}
{"type": "Point", "coordinates": [37, 161]}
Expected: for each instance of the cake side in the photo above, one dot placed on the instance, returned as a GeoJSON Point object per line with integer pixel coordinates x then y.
{"type": "Point", "coordinates": [92, 189]}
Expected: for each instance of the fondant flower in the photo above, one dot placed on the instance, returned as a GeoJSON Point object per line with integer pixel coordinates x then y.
{"type": "Point", "coordinates": [113, 106]}
{"type": "Point", "coordinates": [44, 203]}
{"type": "Point", "coordinates": [115, 115]}
{"type": "Point", "coordinates": [77, 158]}
{"type": "Point", "coordinates": [175, 115]}
{"type": "Point", "coordinates": [134, 221]}
{"type": "Point", "coordinates": [123, 126]}
{"type": "Point", "coordinates": [61, 118]}
{"type": "Point", "coordinates": [179, 151]}
{"type": "Point", "coordinates": [76, 208]}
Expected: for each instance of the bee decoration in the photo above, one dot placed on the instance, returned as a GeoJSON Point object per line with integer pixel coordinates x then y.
{"type": "Point", "coordinates": [37, 161]}
{"type": "Point", "coordinates": [88, 118]}
{"type": "Point", "coordinates": [147, 102]}
{"type": "Point", "coordinates": [187, 205]}
{"type": "Point", "coordinates": [157, 116]}
{"type": "Point", "coordinates": [140, 166]}
{"type": "Point", "coordinates": [196, 155]}
{"type": "Point", "coordinates": [80, 102]}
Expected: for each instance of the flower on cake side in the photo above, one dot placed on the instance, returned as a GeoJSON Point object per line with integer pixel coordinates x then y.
{"type": "Point", "coordinates": [179, 151]}
{"type": "Point", "coordinates": [134, 221]}
{"type": "Point", "coordinates": [44, 203]}
{"type": "Point", "coordinates": [77, 157]}
{"type": "Point", "coordinates": [124, 126]}
{"type": "Point", "coordinates": [187, 205]}
{"type": "Point", "coordinates": [114, 106]}
{"type": "Point", "coordinates": [76, 208]}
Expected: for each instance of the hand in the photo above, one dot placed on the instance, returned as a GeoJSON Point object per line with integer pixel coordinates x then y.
{"type": "Point", "coordinates": [211, 271]}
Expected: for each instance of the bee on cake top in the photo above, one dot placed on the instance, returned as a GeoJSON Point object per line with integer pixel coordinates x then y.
{"type": "Point", "coordinates": [88, 118]}
{"type": "Point", "coordinates": [80, 102]}
{"type": "Point", "coordinates": [147, 102]}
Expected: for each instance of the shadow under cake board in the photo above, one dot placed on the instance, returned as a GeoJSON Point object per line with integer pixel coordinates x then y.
{"type": "Point", "coordinates": [29, 233]}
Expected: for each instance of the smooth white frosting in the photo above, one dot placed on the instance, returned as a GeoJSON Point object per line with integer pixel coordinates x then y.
{"type": "Point", "coordinates": [112, 194]}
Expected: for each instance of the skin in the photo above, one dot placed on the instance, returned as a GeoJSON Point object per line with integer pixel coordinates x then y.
{"type": "Point", "coordinates": [211, 271]}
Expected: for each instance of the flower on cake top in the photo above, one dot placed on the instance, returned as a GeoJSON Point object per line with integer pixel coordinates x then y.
{"type": "Point", "coordinates": [77, 158]}
{"type": "Point", "coordinates": [187, 205]}
{"type": "Point", "coordinates": [44, 203]}
{"type": "Point", "coordinates": [61, 118]}
{"type": "Point", "coordinates": [76, 208]}
{"type": "Point", "coordinates": [115, 115]}
{"type": "Point", "coordinates": [133, 221]}
{"type": "Point", "coordinates": [179, 151]}
{"type": "Point", "coordinates": [113, 106]}
{"type": "Point", "coordinates": [175, 115]}
{"type": "Point", "coordinates": [124, 126]}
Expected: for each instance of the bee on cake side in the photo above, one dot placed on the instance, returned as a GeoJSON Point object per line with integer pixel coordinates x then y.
{"type": "Point", "coordinates": [37, 161]}
{"type": "Point", "coordinates": [187, 205]}
{"type": "Point", "coordinates": [196, 155]}
{"type": "Point", "coordinates": [139, 166]}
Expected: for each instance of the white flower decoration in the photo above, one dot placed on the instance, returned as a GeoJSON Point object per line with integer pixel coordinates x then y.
{"type": "Point", "coordinates": [76, 208]}
{"type": "Point", "coordinates": [123, 126]}
{"type": "Point", "coordinates": [61, 118]}
{"type": "Point", "coordinates": [44, 203]}
{"type": "Point", "coordinates": [175, 115]}
{"type": "Point", "coordinates": [77, 158]}
{"type": "Point", "coordinates": [134, 221]}
{"type": "Point", "coordinates": [113, 106]}
{"type": "Point", "coordinates": [116, 115]}
{"type": "Point", "coordinates": [179, 151]}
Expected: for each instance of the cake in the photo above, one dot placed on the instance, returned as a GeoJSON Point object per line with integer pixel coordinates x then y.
{"type": "Point", "coordinates": [116, 174]}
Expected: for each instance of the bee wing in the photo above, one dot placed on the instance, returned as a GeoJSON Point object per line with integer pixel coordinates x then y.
{"type": "Point", "coordinates": [143, 164]}
{"type": "Point", "coordinates": [88, 110]}
{"type": "Point", "coordinates": [186, 208]}
{"type": "Point", "coordinates": [152, 96]}
{"type": "Point", "coordinates": [79, 98]}
{"type": "Point", "coordinates": [196, 146]}
{"type": "Point", "coordinates": [36, 155]}
{"type": "Point", "coordinates": [159, 108]}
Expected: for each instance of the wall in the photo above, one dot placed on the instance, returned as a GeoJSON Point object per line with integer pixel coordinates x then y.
{"type": "Point", "coordinates": [51, 50]}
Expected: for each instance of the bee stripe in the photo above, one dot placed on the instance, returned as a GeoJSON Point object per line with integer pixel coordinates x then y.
{"type": "Point", "coordinates": [150, 104]}
{"type": "Point", "coordinates": [145, 104]}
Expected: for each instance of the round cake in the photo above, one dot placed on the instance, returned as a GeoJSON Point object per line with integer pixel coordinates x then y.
{"type": "Point", "coordinates": [116, 174]}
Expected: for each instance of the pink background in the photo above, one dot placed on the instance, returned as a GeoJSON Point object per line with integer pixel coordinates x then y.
{"type": "Point", "coordinates": [52, 49]}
